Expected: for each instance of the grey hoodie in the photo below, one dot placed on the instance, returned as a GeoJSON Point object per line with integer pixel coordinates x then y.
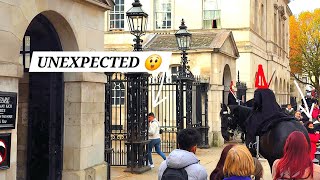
{"type": "Point", "coordinates": [179, 158]}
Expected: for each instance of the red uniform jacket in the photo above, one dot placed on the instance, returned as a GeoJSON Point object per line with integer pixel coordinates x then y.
{"type": "Point", "coordinates": [314, 138]}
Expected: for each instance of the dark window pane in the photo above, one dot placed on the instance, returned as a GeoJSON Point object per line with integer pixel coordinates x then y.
{"type": "Point", "coordinates": [174, 70]}
{"type": "Point", "coordinates": [122, 24]}
{"type": "Point", "coordinates": [122, 100]}
{"type": "Point", "coordinates": [116, 8]}
{"type": "Point", "coordinates": [169, 24]}
{"type": "Point", "coordinates": [113, 102]}
{"type": "Point", "coordinates": [122, 16]}
{"type": "Point", "coordinates": [117, 24]}
{"type": "Point", "coordinates": [111, 17]}
{"type": "Point", "coordinates": [122, 8]}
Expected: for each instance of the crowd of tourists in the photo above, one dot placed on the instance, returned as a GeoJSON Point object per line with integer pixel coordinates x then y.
{"type": "Point", "coordinates": [237, 163]}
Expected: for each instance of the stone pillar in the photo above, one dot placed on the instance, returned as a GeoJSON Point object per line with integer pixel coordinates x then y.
{"type": "Point", "coordinates": [214, 101]}
{"type": "Point", "coordinates": [83, 149]}
{"type": "Point", "coordinates": [22, 127]}
{"type": "Point", "coordinates": [9, 74]}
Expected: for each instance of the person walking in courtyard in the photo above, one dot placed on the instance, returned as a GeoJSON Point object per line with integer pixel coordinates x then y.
{"type": "Point", "coordinates": [154, 136]}
{"type": "Point", "coordinates": [182, 163]}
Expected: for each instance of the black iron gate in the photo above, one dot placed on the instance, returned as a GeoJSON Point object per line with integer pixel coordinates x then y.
{"type": "Point", "coordinates": [196, 93]}
{"type": "Point", "coordinates": [116, 119]}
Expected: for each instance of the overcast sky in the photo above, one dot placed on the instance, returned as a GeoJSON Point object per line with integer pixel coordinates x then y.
{"type": "Point", "coordinates": [297, 6]}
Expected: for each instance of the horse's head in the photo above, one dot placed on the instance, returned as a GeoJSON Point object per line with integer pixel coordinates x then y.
{"type": "Point", "coordinates": [232, 119]}
{"type": "Point", "coordinates": [240, 115]}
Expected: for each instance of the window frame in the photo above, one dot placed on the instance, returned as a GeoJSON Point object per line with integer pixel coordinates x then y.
{"type": "Point", "coordinates": [116, 99]}
{"type": "Point", "coordinates": [117, 16]}
{"type": "Point", "coordinates": [216, 12]}
{"type": "Point", "coordinates": [164, 12]}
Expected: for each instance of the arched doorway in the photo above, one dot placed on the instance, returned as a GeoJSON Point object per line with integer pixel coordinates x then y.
{"type": "Point", "coordinates": [40, 138]}
{"type": "Point", "coordinates": [226, 80]}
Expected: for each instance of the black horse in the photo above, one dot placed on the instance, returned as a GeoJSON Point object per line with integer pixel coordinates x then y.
{"type": "Point", "coordinates": [272, 142]}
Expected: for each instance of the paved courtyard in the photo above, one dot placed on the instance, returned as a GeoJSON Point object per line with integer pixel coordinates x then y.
{"type": "Point", "coordinates": [208, 158]}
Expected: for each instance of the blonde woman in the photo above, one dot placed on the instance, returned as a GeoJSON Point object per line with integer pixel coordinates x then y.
{"type": "Point", "coordinates": [239, 164]}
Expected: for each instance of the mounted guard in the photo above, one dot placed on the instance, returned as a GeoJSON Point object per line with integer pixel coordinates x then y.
{"type": "Point", "coordinates": [264, 120]}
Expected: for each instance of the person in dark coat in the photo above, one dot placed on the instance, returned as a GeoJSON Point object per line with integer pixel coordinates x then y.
{"type": "Point", "coordinates": [266, 113]}
{"type": "Point", "coordinates": [289, 110]}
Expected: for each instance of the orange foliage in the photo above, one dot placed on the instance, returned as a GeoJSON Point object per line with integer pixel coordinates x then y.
{"type": "Point", "coordinates": [305, 43]}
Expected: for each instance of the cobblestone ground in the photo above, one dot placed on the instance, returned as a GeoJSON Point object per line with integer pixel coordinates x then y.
{"type": "Point", "coordinates": [208, 158]}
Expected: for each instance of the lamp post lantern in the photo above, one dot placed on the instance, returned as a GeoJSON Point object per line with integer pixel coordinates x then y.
{"type": "Point", "coordinates": [185, 79]}
{"type": "Point", "coordinates": [183, 38]}
{"type": "Point", "coordinates": [137, 99]}
{"type": "Point", "coordinates": [137, 20]}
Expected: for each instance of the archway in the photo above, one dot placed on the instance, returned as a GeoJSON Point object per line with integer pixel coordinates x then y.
{"type": "Point", "coordinates": [40, 133]}
{"type": "Point", "coordinates": [226, 80]}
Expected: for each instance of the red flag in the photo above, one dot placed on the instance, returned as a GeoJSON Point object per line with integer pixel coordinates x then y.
{"type": "Point", "coordinates": [261, 82]}
{"type": "Point", "coordinates": [231, 86]}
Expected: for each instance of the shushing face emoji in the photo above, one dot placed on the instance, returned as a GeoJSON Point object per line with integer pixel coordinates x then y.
{"type": "Point", "coordinates": [153, 62]}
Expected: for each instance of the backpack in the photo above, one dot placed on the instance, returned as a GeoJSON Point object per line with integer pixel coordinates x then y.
{"type": "Point", "coordinates": [176, 174]}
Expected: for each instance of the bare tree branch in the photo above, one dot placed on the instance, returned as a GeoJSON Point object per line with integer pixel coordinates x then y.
{"type": "Point", "coordinates": [299, 80]}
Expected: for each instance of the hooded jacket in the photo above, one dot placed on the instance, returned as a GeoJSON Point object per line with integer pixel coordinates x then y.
{"type": "Point", "coordinates": [179, 158]}
{"type": "Point", "coordinates": [154, 128]}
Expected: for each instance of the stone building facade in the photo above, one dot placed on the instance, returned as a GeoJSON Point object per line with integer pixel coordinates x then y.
{"type": "Point", "coordinates": [59, 130]}
{"type": "Point", "coordinates": [262, 35]}
{"type": "Point", "coordinates": [259, 27]}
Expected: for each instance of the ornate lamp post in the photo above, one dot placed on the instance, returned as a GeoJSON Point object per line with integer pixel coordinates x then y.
{"type": "Point", "coordinates": [137, 20]}
{"type": "Point", "coordinates": [183, 38]}
{"type": "Point", "coordinates": [137, 99]}
{"type": "Point", "coordinates": [185, 78]}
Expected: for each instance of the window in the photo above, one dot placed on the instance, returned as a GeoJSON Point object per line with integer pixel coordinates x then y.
{"type": "Point", "coordinates": [117, 15]}
{"type": "Point", "coordinates": [275, 31]}
{"type": "Point", "coordinates": [256, 15]}
{"type": "Point", "coordinates": [118, 93]}
{"type": "Point", "coordinates": [163, 14]}
{"type": "Point", "coordinates": [25, 53]}
{"type": "Point", "coordinates": [279, 34]}
{"type": "Point", "coordinates": [262, 20]}
{"type": "Point", "coordinates": [174, 72]}
{"type": "Point", "coordinates": [211, 14]}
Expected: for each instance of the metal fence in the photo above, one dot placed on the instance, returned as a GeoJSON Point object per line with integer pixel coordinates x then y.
{"type": "Point", "coordinates": [166, 113]}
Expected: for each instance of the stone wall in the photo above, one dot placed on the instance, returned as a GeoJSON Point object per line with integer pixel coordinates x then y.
{"type": "Point", "coordinates": [22, 127]}
{"type": "Point", "coordinates": [80, 26]}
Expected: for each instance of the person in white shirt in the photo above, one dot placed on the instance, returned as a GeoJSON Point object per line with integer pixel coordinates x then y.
{"type": "Point", "coordinates": [154, 136]}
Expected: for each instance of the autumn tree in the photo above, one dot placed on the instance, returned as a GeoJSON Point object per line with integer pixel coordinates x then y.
{"type": "Point", "coordinates": [305, 46]}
